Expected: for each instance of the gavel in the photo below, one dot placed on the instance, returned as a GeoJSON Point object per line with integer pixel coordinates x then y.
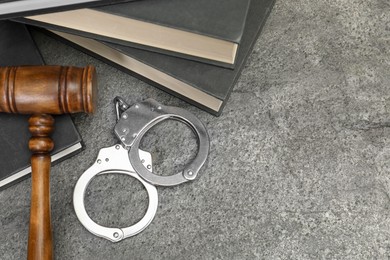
{"type": "Point", "coordinates": [42, 91]}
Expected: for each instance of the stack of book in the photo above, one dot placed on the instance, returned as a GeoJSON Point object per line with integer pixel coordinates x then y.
{"type": "Point", "coordinates": [194, 50]}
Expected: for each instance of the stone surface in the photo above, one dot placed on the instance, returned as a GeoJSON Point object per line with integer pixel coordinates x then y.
{"type": "Point", "coordinates": [299, 166]}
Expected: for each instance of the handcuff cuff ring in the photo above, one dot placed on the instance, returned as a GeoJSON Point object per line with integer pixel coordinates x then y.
{"type": "Point", "coordinates": [114, 160]}
{"type": "Point", "coordinates": [136, 120]}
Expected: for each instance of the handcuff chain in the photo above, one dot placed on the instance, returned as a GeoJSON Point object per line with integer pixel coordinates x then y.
{"type": "Point", "coordinates": [120, 107]}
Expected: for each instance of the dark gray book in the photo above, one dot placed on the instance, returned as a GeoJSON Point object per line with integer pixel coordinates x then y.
{"type": "Point", "coordinates": [18, 48]}
{"type": "Point", "coordinates": [201, 84]}
{"type": "Point", "coordinates": [201, 30]}
{"type": "Point", "coordinates": [18, 8]}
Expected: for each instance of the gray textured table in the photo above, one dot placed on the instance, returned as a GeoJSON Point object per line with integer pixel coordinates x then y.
{"type": "Point", "coordinates": [299, 166]}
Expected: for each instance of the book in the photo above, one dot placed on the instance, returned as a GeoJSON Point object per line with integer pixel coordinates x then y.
{"type": "Point", "coordinates": [17, 8]}
{"type": "Point", "coordinates": [202, 30]}
{"type": "Point", "coordinates": [203, 85]}
{"type": "Point", "coordinates": [18, 48]}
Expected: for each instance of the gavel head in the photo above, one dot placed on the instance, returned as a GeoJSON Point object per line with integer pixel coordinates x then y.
{"type": "Point", "coordinates": [47, 89]}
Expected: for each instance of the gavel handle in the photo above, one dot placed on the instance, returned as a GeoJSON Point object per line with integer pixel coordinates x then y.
{"type": "Point", "coordinates": [44, 90]}
{"type": "Point", "coordinates": [40, 245]}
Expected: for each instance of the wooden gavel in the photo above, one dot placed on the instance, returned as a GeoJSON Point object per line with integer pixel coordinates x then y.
{"type": "Point", "coordinates": [42, 91]}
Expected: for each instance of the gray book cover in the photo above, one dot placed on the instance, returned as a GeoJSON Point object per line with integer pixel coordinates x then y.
{"type": "Point", "coordinates": [219, 19]}
{"type": "Point", "coordinates": [18, 48]}
{"type": "Point", "coordinates": [19, 8]}
{"type": "Point", "coordinates": [223, 19]}
{"type": "Point", "coordinates": [215, 81]}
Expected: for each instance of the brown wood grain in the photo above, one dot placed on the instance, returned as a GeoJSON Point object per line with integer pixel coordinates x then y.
{"type": "Point", "coordinates": [47, 89]}
{"type": "Point", "coordinates": [40, 234]}
{"type": "Point", "coordinates": [41, 91]}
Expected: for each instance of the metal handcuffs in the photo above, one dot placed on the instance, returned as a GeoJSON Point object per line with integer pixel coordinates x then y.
{"type": "Point", "coordinates": [133, 122]}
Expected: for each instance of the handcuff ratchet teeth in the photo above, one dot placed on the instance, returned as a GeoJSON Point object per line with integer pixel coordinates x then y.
{"type": "Point", "coordinates": [135, 121]}
{"type": "Point", "coordinates": [126, 158]}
